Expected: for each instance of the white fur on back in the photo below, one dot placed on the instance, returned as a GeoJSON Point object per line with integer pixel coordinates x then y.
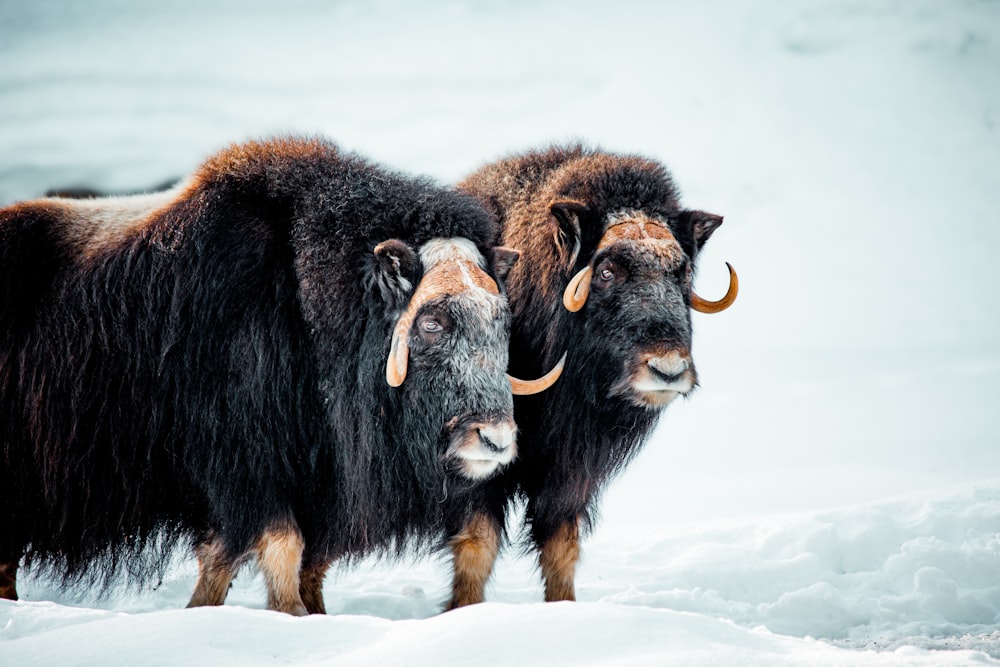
{"type": "Point", "coordinates": [94, 223]}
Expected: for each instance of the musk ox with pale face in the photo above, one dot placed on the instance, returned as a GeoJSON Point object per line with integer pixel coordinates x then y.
{"type": "Point", "coordinates": [603, 286]}
{"type": "Point", "coordinates": [294, 353]}
{"type": "Point", "coordinates": [605, 276]}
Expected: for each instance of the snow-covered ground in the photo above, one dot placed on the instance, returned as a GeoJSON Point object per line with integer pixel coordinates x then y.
{"type": "Point", "coordinates": [887, 583]}
{"type": "Point", "coordinates": [832, 493]}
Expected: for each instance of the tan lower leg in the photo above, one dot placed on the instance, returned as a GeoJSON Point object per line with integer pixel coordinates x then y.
{"type": "Point", "coordinates": [311, 587]}
{"type": "Point", "coordinates": [8, 580]}
{"type": "Point", "coordinates": [558, 559]}
{"type": "Point", "coordinates": [215, 573]}
{"type": "Point", "coordinates": [475, 551]}
{"type": "Point", "coordinates": [279, 557]}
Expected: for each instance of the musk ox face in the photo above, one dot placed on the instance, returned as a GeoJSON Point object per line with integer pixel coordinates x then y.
{"type": "Point", "coordinates": [460, 348]}
{"type": "Point", "coordinates": [635, 296]}
{"type": "Point", "coordinates": [638, 305]}
{"type": "Point", "coordinates": [448, 354]}
{"type": "Point", "coordinates": [638, 302]}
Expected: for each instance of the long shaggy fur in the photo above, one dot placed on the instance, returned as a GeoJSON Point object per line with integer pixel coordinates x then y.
{"type": "Point", "coordinates": [218, 364]}
{"type": "Point", "coordinates": [577, 435]}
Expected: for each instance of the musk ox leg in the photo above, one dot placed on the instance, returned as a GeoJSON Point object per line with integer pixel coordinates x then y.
{"type": "Point", "coordinates": [558, 557]}
{"type": "Point", "coordinates": [215, 574]}
{"type": "Point", "coordinates": [279, 557]}
{"type": "Point", "coordinates": [475, 551]}
{"type": "Point", "coordinates": [311, 586]}
{"type": "Point", "coordinates": [8, 579]}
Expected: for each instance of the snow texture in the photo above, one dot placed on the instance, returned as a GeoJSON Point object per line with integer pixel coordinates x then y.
{"type": "Point", "coordinates": [830, 496]}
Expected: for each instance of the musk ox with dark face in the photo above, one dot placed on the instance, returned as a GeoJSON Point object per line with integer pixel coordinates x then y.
{"type": "Point", "coordinates": [292, 352]}
{"type": "Point", "coordinates": [605, 275]}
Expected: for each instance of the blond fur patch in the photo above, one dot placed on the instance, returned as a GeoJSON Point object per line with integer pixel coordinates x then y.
{"type": "Point", "coordinates": [215, 574]}
{"type": "Point", "coordinates": [90, 225]}
{"type": "Point", "coordinates": [279, 558]}
{"type": "Point", "coordinates": [558, 559]}
{"type": "Point", "coordinates": [475, 551]}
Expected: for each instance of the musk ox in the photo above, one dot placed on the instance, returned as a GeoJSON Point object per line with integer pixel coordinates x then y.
{"type": "Point", "coordinates": [605, 283]}
{"type": "Point", "coordinates": [292, 352]}
{"type": "Point", "coordinates": [607, 259]}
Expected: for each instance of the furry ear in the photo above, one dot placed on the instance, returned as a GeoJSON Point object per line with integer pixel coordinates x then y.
{"type": "Point", "coordinates": [701, 224]}
{"type": "Point", "coordinates": [396, 272]}
{"type": "Point", "coordinates": [504, 259]}
{"type": "Point", "coordinates": [566, 214]}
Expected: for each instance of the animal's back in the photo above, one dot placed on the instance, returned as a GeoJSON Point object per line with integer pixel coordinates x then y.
{"type": "Point", "coordinates": [512, 182]}
{"type": "Point", "coordinates": [124, 318]}
{"type": "Point", "coordinates": [166, 350]}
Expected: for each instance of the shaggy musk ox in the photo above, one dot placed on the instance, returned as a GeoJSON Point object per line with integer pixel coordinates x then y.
{"type": "Point", "coordinates": [294, 354]}
{"type": "Point", "coordinates": [607, 257]}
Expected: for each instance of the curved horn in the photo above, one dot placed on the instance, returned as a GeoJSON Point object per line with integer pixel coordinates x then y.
{"type": "Point", "coordinates": [528, 387]}
{"type": "Point", "coordinates": [577, 290]}
{"type": "Point", "coordinates": [399, 354]}
{"type": "Point", "coordinates": [702, 306]}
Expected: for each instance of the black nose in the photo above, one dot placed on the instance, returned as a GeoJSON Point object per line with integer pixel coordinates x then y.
{"type": "Point", "coordinates": [669, 373]}
{"type": "Point", "coordinates": [497, 438]}
{"type": "Point", "coordinates": [489, 444]}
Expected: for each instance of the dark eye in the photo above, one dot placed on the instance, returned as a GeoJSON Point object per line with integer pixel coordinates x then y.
{"type": "Point", "coordinates": [430, 326]}
{"type": "Point", "coordinates": [606, 274]}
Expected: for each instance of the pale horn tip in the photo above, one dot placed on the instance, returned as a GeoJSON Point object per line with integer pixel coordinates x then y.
{"type": "Point", "coordinates": [528, 387]}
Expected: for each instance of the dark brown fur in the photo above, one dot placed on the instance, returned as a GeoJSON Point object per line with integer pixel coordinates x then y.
{"type": "Point", "coordinates": [211, 360]}
{"type": "Point", "coordinates": [8, 581]}
{"type": "Point", "coordinates": [311, 586]}
{"type": "Point", "coordinates": [554, 207]}
{"type": "Point", "coordinates": [212, 588]}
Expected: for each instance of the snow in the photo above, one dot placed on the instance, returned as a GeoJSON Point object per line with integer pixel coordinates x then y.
{"type": "Point", "coordinates": [829, 496]}
{"type": "Point", "coordinates": [908, 576]}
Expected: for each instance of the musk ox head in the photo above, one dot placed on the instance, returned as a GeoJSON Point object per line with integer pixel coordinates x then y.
{"type": "Point", "coordinates": [634, 294]}
{"type": "Point", "coordinates": [449, 348]}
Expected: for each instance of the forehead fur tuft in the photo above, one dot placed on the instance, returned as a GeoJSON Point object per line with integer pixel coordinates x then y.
{"type": "Point", "coordinates": [440, 250]}
{"type": "Point", "coordinates": [631, 215]}
{"type": "Point", "coordinates": [643, 229]}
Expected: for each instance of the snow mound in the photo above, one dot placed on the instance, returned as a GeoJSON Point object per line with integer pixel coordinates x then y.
{"type": "Point", "coordinates": [921, 570]}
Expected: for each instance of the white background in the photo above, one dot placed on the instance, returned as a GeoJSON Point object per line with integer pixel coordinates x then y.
{"type": "Point", "coordinates": [837, 476]}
